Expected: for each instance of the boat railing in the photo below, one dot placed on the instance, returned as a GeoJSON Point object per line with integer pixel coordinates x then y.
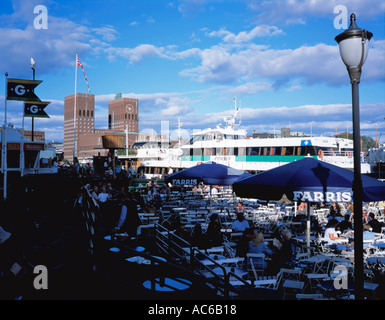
{"type": "Point", "coordinates": [348, 154]}
{"type": "Point", "coordinates": [342, 154]}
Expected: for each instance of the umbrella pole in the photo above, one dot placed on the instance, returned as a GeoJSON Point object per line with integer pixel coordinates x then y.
{"type": "Point", "coordinates": [308, 229]}
{"type": "Point", "coordinates": [210, 198]}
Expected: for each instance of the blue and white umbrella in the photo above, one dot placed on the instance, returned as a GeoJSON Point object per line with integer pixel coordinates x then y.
{"type": "Point", "coordinates": [209, 173]}
{"type": "Point", "coordinates": [308, 180]}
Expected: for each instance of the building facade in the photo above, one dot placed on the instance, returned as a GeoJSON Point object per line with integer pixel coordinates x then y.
{"type": "Point", "coordinates": [123, 114]}
{"type": "Point", "coordinates": [82, 139]}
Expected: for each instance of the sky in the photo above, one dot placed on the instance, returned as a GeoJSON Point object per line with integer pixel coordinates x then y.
{"type": "Point", "coordinates": [189, 59]}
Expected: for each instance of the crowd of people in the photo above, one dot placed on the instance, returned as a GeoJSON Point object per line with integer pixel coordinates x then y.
{"type": "Point", "coordinates": [339, 228]}
{"type": "Point", "coordinates": [279, 253]}
{"type": "Point", "coordinates": [119, 203]}
{"type": "Point", "coordinates": [282, 251]}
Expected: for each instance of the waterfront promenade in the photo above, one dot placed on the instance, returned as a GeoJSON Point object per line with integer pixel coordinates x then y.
{"type": "Point", "coordinates": [59, 224]}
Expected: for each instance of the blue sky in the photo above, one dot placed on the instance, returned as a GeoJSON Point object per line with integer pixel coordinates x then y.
{"type": "Point", "coordinates": [190, 58]}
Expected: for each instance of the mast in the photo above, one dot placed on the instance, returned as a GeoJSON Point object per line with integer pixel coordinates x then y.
{"type": "Point", "coordinates": [179, 135]}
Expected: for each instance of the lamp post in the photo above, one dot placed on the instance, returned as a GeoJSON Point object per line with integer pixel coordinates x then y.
{"type": "Point", "coordinates": [33, 65]}
{"type": "Point", "coordinates": [353, 45]}
{"type": "Point", "coordinates": [129, 107]}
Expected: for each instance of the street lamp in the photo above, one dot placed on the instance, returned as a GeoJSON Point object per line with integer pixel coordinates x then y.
{"type": "Point", "coordinates": [129, 107]}
{"type": "Point", "coordinates": [353, 44]}
{"type": "Point", "coordinates": [33, 66]}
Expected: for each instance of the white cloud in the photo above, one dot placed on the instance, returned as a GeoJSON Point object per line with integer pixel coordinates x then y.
{"type": "Point", "coordinates": [191, 7]}
{"type": "Point", "coordinates": [250, 88]}
{"type": "Point", "coordinates": [137, 54]}
{"type": "Point", "coordinates": [108, 33]}
{"type": "Point", "coordinates": [294, 88]}
{"type": "Point", "coordinates": [177, 106]}
{"type": "Point", "coordinates": [52, 48]}
{"type": "Point", "coordinates": [320, 63]}
{"type": "Point", "coordinates": [246, 36]}
{"type": "Point", "coordinates": [299, 11]}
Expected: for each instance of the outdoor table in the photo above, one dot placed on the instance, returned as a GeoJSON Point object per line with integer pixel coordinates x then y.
{"type": "Point", "coordinates": [341, 247]}
{"type": "Point", "coordinates": [380, 245]}
{"type": "Point", "coordinates": [303, 238]}
{"type": "Point", "coordinates": [146, 214]}
{"type": "Point", "coordinates": [178, 209]}
{"type": "Point", "coordinates": [329, 288]}
{"type": "Point", "coordinates": [329, 285]}
{"type": "Point", "coordinates": [139, 260]}
{"type": "Point", "coordinates": [316, 261]}
{"type": "Point", "coordinates": [183, 213]}
{"type": "Point", "coordinates": [216, 258]}
{"type": "Point", "coordinates": [212, 250]}
{"type": "Point", "coordinates": [374, 260]}
{"type": "Point", "coordinates": [338, 242]}
{"type": "Point", "coordinates": [237, 271]}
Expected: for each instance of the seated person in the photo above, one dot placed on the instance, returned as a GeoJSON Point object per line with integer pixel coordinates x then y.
{"type": "Point", "coordinates": [374, 223]}
{"type": "Point", "coordinates": [239, 208]}
{"type": "Point", "coordinates": [285, 256]}
{"type": "Point", "coordinates": [330, 235]}
{"type": "Point", "coordinates": [198, 238]}
{"type": "Point", "coordinates": [349, 210]}
{"type": "Point", "coordinates": [240, 224]}
{"type": "Point", "coordinates": [243, 243]}
{"type": "Point", "coordinates": [258, 245]}
{"type": "Point", "coordinates": [213, 232]}
{"type": "Point", "coordinates": [103, 196]}
{"type": "Point", "coordinates": [335, 209]}
{"type": "Point", "coordinates": [345, 224]}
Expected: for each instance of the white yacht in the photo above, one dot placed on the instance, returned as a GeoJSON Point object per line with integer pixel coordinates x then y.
{"type": "Point", "coordinates": [231, 146]}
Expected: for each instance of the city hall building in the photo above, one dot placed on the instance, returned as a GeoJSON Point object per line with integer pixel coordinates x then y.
{"type": "Point", "coordinates": [82, 139]}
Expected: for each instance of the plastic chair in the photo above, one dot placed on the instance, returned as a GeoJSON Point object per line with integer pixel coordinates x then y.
{"type": "Point", "coordinates": [292, 287]}
{"type": "Point", "coordinates": [255, 264]}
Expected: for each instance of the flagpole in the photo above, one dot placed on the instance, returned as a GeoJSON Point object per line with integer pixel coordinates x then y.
{"type": "Point", "coordinates": [76, 73]}
{"type": "Point", "coordinates": [4, 142]}
{"type": "Point", "coordinates": [22, 161]}
{"type": "Point", "coordinates": [33, 118]}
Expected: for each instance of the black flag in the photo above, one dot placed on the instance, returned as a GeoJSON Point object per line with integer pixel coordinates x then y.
{"type": "Point", "coordinates": [22, 89]}
{"type": "Point", "coordinates": [35, 109]}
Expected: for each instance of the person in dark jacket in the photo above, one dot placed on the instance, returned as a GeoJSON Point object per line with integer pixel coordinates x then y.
{"type": "Point", "coordinates": [345, 224]}
{"type": "Point", "coordinates": [213, 232]}
{"type": "Point", "coordinates": [374, 223]}
{"type": "Point", "coordinates": [129, 220]}
{"type": "Point", "coordinates": [243, 243]}
{"type": "Point", "coordinates": [285, 256]}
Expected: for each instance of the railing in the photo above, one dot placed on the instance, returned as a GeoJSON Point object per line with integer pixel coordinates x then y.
{"type": "Point", "coordinates": [181, 251]}
{"type": "Point", "coordinates": [89, 213]}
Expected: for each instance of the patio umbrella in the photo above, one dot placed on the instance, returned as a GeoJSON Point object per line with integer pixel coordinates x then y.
{"type": "Point", "coordinates": [210, 173]}
{"type": "Point", "coordinates": [308, 180]}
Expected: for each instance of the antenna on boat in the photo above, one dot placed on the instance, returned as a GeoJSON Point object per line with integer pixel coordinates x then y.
{"type": "Point", "coordinates": [230, 120]}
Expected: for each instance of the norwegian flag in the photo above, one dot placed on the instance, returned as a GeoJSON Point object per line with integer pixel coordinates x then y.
{"type": "Point", "coordinates": [78, 64]}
